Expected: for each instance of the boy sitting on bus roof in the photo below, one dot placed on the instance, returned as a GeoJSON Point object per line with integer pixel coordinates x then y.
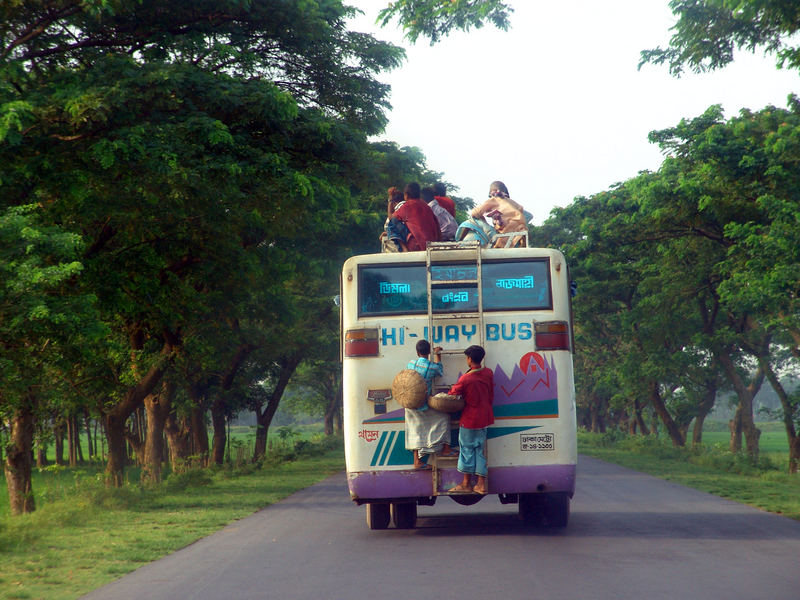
{"type": "Point", "coordinates": [476, 387]}
{"type": "Point", "coordinates": [395, 233]}
{"type": "Point", "coordinates": [427, 429]}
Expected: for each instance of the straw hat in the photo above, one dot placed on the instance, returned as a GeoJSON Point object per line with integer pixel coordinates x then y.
{"type": "Point", "coordinates": [409, 389]}
{"type": "Point", "coordinates": [446, 403]}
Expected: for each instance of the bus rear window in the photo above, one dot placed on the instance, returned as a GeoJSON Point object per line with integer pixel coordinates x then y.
{"type": "Point", "coordinates": [402, 289]}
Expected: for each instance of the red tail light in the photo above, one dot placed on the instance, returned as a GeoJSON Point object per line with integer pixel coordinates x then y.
{"type": "Point", "coordinates": [361, 342]}
{"type": "Point", "coordinates": [552, 335]}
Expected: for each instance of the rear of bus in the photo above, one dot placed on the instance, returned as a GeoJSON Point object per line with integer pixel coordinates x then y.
{"type": "Point", "coordinates": [521, 317]}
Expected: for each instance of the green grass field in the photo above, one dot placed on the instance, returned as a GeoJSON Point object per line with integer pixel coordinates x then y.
{"type": "Point", "coordinates": [84, 535]}
{"type": "Point", "coordinates": [712, 468]}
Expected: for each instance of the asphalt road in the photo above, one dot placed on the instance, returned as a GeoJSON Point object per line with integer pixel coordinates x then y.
{"type": "Point", "coordinates": [630, 536]}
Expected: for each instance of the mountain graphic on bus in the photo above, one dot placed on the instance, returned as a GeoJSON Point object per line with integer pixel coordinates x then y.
{"type": "Point", "coordinates": [530, 393]}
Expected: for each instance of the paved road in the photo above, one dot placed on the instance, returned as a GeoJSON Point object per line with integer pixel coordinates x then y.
{"type": "Point", "coordinates": [630, 536]}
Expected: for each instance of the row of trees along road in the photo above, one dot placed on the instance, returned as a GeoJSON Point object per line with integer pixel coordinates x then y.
{"type": "Point", "coordinates": [689, 277]}
{"type": "Point", "coordinates": [179, 183]}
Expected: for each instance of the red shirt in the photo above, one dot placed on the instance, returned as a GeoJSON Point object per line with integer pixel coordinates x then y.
{"type": "Point", "coordinates": [447, 204]}
{"type": "Point", "coordinates": [477, 389]}
{"type": "Point", "coordinates": [421, 222]}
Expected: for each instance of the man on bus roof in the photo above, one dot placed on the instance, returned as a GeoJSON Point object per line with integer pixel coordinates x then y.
{"type": "Point", "coordinates": [419, 218]}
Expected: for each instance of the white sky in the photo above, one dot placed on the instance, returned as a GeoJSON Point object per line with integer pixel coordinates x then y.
{"type": "Point", "coordinates": [555, 107]}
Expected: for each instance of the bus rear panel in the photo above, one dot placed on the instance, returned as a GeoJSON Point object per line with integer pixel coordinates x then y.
{"type": "Point", "coordinates": [513, 302]}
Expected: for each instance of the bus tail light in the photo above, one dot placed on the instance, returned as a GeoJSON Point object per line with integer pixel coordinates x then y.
{"type": "Point", "coordinates": [361, 342]}
{"type": "Point", "coordinates": [552, 335]}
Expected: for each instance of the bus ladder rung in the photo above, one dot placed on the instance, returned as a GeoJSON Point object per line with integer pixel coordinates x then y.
{"type": "Point", "coordinates": [441, 283]}
{"type": "Point", "coordinates": [473, 252]}
{"type": "Point", "coordinates": [444, 462]}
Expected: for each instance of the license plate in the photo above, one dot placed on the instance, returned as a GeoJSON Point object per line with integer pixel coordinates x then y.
{"type": "Point", "coordinates": [537, 442]}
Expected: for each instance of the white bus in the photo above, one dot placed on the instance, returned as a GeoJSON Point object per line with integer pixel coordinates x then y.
{"type": "Point", "coordinates": [515, 302]}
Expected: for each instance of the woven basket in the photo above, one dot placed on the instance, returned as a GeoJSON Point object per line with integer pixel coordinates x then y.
{"type": "Point", "coordinates": [446, 403]}
{"type": "Point", "coordinates": [409, 389]}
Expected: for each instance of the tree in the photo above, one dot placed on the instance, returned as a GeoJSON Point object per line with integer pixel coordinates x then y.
{"type": "Point", "coordinates": [178, 142]}
{"type": "Point", "coordinates": [708, 31]}
{"type": "Point", "coordinates": [38, 318]}
{"type": "Point", "coordinates": [437, 18]}
{"type": "Point", "coordinates": [195, 150]}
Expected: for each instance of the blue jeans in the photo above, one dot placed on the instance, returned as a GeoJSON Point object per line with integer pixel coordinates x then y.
{"type": "Point", "coordinates": [472, 451]}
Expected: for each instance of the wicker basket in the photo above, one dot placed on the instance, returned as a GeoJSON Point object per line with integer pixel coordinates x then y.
{"type": "Point", "coordinates": [446, 403]}
{"type": "Point", "coordinates": [409, 389]}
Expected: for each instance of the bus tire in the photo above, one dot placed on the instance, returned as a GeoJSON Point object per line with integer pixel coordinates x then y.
{"type": "Point", "coordinates": [404, 514]}
{"type": "Point", "coordinates": [377, 515]}
{"type": "Point", "coordinates": [556, 510]}
{"type": "Point", "coordinates": [531, 508]}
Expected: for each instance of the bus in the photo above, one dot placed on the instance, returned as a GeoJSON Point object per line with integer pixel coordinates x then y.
{"type": "Point", "coordinates": [516, 303]}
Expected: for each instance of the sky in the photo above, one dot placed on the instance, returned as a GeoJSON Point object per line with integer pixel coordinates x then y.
{"type": "Point", "coordinates": [555, 107]}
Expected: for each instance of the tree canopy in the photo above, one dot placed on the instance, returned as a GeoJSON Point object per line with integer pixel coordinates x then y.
{"type": "Point", "coordinates": [709, 31]}
{"type": "Point", "coordinates": [179, 184]}
{"type": "Point", "coordinates": [688, 279]}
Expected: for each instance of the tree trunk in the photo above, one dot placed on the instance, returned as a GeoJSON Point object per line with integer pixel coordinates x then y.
{"type": "Point", "coordinates": [597, 408]}
{"type": "Point", "coordinates": [58, 437]}
{"type": "Point", "coordinates": [794, 455]}
{"type": "Point", "coordinates": [41, 445]}
{"type": "Point", "coordinates": [637, 411]}
{"type": "Point", "coordinates": [332, 412]}
{"type": "Point", "coordinates": [117, 452]}
{"type": "Point", "coordinates": [264, 419]}
{"type": "Point", "coordinates": [661, 410]}
{"type": "Point", "coordinates": [218, 407]}
{"type": "Point", "coordinates": [118, 414]}
{"type": "Point", "coordinates": [71, 442]}
{"type": "Point", "coordinates": [789, 411]}
{"type": "Point", "coordinates": [41, 454]}
{"type": "Point", "coordinates": [199, 434]}
{"type": "Point", "coordinates": [179, 438]}
{"type": "Point", "coordinates": [219, 438]}
{"type": "Point", "coordinates": [136, 433]}
{"type": "Point", "coordinates": [89, 442]}
{"type": "Point", "coordinates": [742, 423]}
{"type": "Point", "coordinates": [77, 434]}
{"type": "Point", "coordinates": [735, 427]}
{"type": "Point", "coordinates": [705, 406]}
{"type": "Point", "coordinates": [18, 459]}
{"type": "Point", "coordinates": [157, 407]}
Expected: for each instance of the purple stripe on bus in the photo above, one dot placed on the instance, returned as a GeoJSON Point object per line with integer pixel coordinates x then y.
{"type": "Point", "coordinates": [502, 480]}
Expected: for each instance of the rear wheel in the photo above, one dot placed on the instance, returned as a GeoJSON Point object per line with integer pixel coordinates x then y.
{"type": "Point", "coordinates": [377, 515]}
{"type": "Point", "coordinates": [404, 514]}
{"type": "Point", "coordinates": [556, 510]}
{"type": "Point", "coordinates": [530, 508]}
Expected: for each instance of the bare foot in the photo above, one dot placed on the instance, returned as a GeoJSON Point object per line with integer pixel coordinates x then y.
{"type": "Point", "coordinates": [479, 489]}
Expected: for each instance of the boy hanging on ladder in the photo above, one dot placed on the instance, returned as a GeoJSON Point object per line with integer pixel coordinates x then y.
{"type": "Point", "coordinates": [427, 429]}
{"type": "Point", "coordinates": [476, 387]}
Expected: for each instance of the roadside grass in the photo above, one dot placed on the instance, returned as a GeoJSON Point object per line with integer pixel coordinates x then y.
{"type": "Point", "coordinates": [711, 468]}
{"type": "Point", "coordinates": [84, 535]}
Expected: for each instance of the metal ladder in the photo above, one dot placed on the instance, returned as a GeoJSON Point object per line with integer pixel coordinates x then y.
{"type": "Point", "coordinates": [461, 258]}
{"type": "Point", "coordinates": [463, 269]}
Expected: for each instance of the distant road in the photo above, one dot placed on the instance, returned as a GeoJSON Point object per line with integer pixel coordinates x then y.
{"type": "Point", "coordinates": [631, 536]}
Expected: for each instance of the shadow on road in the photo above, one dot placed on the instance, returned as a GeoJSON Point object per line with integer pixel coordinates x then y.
{"type": "Point", "coordinates": [749, 526]}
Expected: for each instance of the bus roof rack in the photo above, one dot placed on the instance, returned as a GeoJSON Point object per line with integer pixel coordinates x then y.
{"type": "Point", "coordinates": [510, 242]}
